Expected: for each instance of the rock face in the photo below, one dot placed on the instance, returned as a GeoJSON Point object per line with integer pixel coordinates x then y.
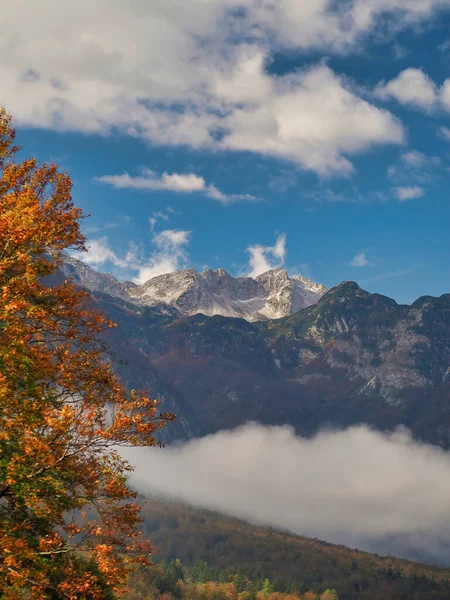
{"type": "Point", "coordinates": [353, 357]}
{"type": "Point", "coordinates": [93, 280]}
{"type": "Point", "coordinates": [270, 296]}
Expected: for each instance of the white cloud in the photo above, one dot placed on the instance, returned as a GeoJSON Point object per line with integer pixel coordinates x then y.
{"type": "Point", "coordinates": [169, 254]}
{"type": "Point", "coordinates": [411, 172]}
{"type": "Point", "coordinates": [311, 118]}
{"type": "Point", "coordinates": [177, 238]}
{"type": "Point", "coordinates": [414, 164]}
{"type": "Point", "coordinates": [444, 132]}
{"type": "Point", "coordinates": [360, 260]}
{"type": "Point", "coordinates": [415, 88]}
{"type": "Point", "coordinates": [97, 229]}
{"type": "Point", "coordinates": [356, 486]}
{"type": "Point", "coordinates": [159, 214]}
{"type": "Point", "coordinates": [69, 68]}
{"type": "Point", "coordinates": [215, 194]}
{"type": "Point", "coordinates": [99, 252]}
{"type": "Point", "coordinates": [411, 192]}
{"type": "Point", "coordinates": [314, 23]}
{"type": "Point", "coordinates": [279, 250]}
{"type": "Point", "coordinates": [412, 86]}
{"type": "Point", "coordinates": [414, 158]}
{"type": "Point", "coordinates": [174, 182]}
{"type": "Point", "coordinates": [445, 94]}
{"type": "Point", "coordinates": [149, 180]}
{"type": "Point", "coordinates": [162, 215]}
{"type": "Point", "coordinates": [265, 258]}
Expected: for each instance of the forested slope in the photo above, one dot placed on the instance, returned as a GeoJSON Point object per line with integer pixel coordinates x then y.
{"type": "Point", "coordinates": [290, 562]}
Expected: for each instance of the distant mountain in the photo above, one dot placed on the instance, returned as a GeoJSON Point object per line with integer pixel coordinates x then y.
{"type": "Point", "coordinates": [352, 357]}
{"type": "Point", "coordinates": [269, 296]}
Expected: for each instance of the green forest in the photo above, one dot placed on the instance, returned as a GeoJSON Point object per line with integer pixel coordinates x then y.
{"type": "Point", "coordinates": [219, 549]}
{"type": "Point", "coordinates": [167, 581]}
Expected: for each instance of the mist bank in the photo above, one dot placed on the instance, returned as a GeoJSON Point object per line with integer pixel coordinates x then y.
{"type": "Point", "coordinates": [359, 487]}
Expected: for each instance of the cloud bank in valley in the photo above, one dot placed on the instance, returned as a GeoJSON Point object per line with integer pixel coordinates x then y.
{"type": "Point", "coordinates": [375, 491]}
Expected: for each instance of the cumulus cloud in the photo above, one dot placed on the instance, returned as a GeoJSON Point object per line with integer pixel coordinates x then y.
{"type": "Point", "coordinates": [69, 68]}
{"type": "Point", "coordinates": [412, 86]}
{"type": "Point", "coordinates": [415, 88]}
{"type": "Point", "coordinates": [312, 118]}
{"type": "Point", "coordinates": [99, 252]}
{"type": "Point", "coordinates": [174, 182]}
{"type": "Point", "coordinates": [314, 23]}
{"type": "Point", "coordinates": [360, 260]}
{"type": "Point", "coordinates": [356, 486]}
{"type": "Point", "coordinates": [265, 258]}
{"type": "Point", "coordinates": [169, 254]}
{"type": "Point", "coordinates": [410, 192]}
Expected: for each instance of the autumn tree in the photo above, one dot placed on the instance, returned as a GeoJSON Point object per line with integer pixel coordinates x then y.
{"type": "Point", "coordinates": [266, 588]}
{"type": "Point", "coordinates": [329, 595]}
{"type": "Point", "coordinates": [69, 524]}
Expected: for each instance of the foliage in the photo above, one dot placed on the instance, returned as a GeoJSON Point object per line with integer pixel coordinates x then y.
{"type": "Point", "coordinates": [163, 582]}
{"type": "Point", "coordinates": [68, 522]}
{"type": "Point", "coordinates": [291, 563]}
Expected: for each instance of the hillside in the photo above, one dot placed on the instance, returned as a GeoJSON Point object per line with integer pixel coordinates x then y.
{"type": "Point", "coordinates": [290, 562]}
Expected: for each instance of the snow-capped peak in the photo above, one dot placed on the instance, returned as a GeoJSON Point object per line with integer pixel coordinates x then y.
{"type": "Point", "coordinates": [271, 295]}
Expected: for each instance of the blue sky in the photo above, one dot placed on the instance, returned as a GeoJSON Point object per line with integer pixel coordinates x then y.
{"type": "Point", "coordinates": [245, 135]}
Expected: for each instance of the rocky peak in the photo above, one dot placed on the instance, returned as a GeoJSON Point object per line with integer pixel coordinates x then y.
{"type": "Point", "coordinates": [271, 295]}
{"type": "Point", "coordinates": [278, 273]}
{"type": "Point", "coordinates": [345, 288]}
{"type": "Point", "coordinates": [89, 278]}
{"type": "Point", "coordinates": [219, 273]}
{"type": "Point", "coordinates": [216, 276]}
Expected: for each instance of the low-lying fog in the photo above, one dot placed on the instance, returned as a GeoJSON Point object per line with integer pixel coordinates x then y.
{"type": "Point", "coordinates": [374, 491]}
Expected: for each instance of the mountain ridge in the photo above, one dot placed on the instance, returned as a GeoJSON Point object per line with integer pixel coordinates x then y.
{"type": "Point", "coordinates": [272, 294]}
{"type": "Point", "coordinates": [352, 357]}
{"type": "Point", "coordinates": [193, 534]}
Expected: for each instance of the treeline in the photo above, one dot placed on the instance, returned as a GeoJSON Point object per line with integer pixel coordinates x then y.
{"type": "Point", "coordinates": [172, 581]}
{"type": "Point", "coordinates": [289, 561]}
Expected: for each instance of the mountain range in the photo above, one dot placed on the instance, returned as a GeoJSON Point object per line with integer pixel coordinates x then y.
{"type": "Point", "coordinates": [333, 357]}
{"type": "Point", "coordinates": [269, 296]}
